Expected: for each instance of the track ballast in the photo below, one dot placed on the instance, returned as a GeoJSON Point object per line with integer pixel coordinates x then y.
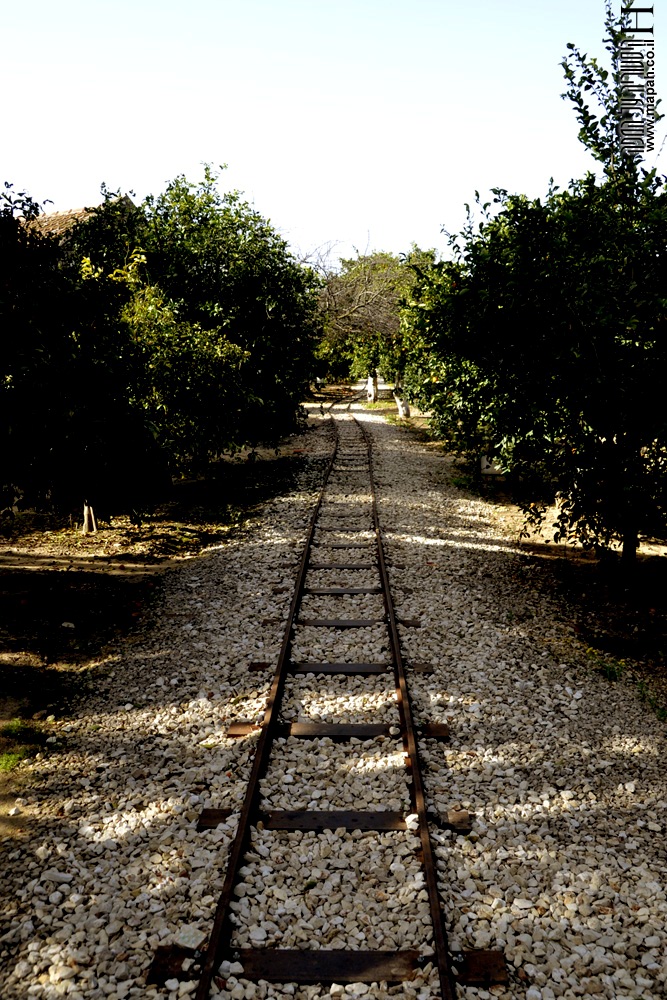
{"type": "Point", "coordinates": [341, 629]}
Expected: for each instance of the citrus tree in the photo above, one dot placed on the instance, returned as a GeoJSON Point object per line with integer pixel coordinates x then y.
{"type": "Point", "coordinates": [172, 331]}
{"type": "Point", "coordinates": [68, 431]}
{"type": "Point", "coordinates": [360, 304]}
{"type": "Point", "coordinates": [228, 270]}
{"type": "Point", "coordinates": [543, 340]}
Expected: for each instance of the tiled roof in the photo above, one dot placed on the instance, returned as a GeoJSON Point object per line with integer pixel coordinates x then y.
{"type": "Point", "coordinates": [57, 223]}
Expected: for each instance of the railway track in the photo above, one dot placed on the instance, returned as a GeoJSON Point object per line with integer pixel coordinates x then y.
{"type": "Point", "coordinates": [343, 546]}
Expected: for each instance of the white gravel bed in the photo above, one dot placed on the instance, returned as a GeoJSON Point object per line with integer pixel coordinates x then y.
{"type": "Point", "coordinates": [425, 986]}
{"type": "Point", "coordinates": [341, 577]}
{"type": "Point", "coordinates": [321, 775]}
{"type": "Point", "coordinates": [313, 643]}
{"type": "Point", "coordinates": [343, 606]}
{"type": "Point", "coordinates": [343, 503]}
{"type": "Point", "coordinates": [334, 698]}
{"type": "Point", "coordinates": [355, 484]}
{"type": "Point", "coordinates": [566, 868]}
{"type": "Point", "coordinates": [338, 889]}
{"type": "Point", "coordinates": [355, 527]}
{"type": "Point", "coordinates": [336, 535]}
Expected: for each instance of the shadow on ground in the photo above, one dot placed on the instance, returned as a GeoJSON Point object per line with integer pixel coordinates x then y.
{"type": "Point", "coordinates": [64, 597]}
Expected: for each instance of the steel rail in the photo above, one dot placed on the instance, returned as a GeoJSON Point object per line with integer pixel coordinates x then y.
{"type": "Point", "coordinates": [221, 931]}
{"type": "Point", "coordinates": [339, 399]}
{"type": "Point", "coordinates": [442, 955]}
{"type": "Point", "coordinates": [474, 968]}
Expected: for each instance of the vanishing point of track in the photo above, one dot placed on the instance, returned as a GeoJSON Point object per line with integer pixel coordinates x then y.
{"type": "Point", "coordinates": [351, 462]}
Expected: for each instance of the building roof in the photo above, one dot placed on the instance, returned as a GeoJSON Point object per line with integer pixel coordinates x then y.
{"type": "Point", "coordinates": [57, 223]}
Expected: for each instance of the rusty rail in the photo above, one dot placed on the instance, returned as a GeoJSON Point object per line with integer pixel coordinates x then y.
{"type": "Point", "coordinates": [447, 982]}
{"type": "Point", "coordinates": [316, 966]}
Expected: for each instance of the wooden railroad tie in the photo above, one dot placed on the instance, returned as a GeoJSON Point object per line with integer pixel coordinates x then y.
{"type": "Point", "coordinates": [480, 968]}
{"type": "Point", "coordinates": [294, 965]}
{"type": "Point", "coordinates": [339, 591]}
{"type": "Point", "coordinates": [340, 566]}
{"type": "Point", "coordinates": [348, 669]}
{"type": "Point", "coordinates": [457, 820]}
{"type": "Point", "coordinates": [341, 623]}
{"type": "Point", "coordinates": [313, 730]}
{"type": "Point", "coordinates": [350, 545]}
{"type": "Point", "coordinates": [317, 730]}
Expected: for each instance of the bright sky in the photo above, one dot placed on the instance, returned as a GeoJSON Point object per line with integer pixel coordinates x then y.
{"type": "Point", "coordinates": [363, 123]}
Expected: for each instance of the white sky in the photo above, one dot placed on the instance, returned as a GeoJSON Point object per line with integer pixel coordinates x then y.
{"type": "Point", "coordinates": [364, 123]}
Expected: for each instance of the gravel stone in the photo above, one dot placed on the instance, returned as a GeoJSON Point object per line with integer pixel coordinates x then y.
{"type": "Point", "coordinates": [564, 870]}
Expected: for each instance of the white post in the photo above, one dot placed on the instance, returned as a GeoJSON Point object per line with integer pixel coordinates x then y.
{"type": "Point", "coordinates": [401, 402]}
{"type": "Point", "coordinates": [403, 407]}
{"type": "Point", "coordinates": [89, 521]}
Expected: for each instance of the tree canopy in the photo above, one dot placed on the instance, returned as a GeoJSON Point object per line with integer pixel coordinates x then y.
{"type": "Point", "coordinates": [361, 305]}
{"type": "Point", "coordinates": [542, 341]}
{"type": "Point", "coordinates": [146, 335]}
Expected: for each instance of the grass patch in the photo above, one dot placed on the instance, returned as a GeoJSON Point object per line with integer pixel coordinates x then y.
{"type": "Point", "coordinates": [465, 482]}
{"type": "Point", "coordinates": [18, 740]}
{"type": "Point", "coordinates": [382, 404]}
{"type": "Point", "coordinates": [419, 430]}
{"type": "Point", "coordinates": [615, 670]}
{"type": "Point", "coordinates": [10, 760]}
{"type": "Point", "coordinates": [647, 696]}
{"type": "Point", "coordinates": [611, 670]}
{"type": "Point", "coordinates": [21, 731]}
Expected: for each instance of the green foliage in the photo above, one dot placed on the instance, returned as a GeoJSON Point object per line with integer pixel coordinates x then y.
{"type": "Point", "coordinates": [361, 314]}
{"type": "Point", "coordinates": [8, 761]}
{"type": "Point", "coordinates": [20, 739]}
{"type": "Point", "coordinates": [542, 342]}
{"type": "Point", "coordinates": [191, 385]}
{"type": "Point", "coordinates": [230, 273]}
{"type": "Point", "coordinates": [545, 344]}
{"type": "Point", "coordinates": [647, 696]}
{"type": "Point", "coordinates": [21, 731]}
{"type": "Point", "coordinates": [67, 431]}
{"type": "Point", "coordinates": [611, 670]}
{"type": "Point", "coordinates": [171, 331]}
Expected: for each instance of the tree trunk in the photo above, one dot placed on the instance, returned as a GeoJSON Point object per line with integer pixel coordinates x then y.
{"type": "Point", "coordinates": [401, 402]}
{"type": "Point", "coordinates": [630, 546]}
{"type": "Point", "coordinates": [403, 406]}
{"type": "Point", "coordinates": [372, 388]}
{"type": "Point", "coordinates": [89, 521]}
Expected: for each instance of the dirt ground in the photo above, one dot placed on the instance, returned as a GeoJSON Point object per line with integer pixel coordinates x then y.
{"type": "Point", "coordinates": [66, 597]}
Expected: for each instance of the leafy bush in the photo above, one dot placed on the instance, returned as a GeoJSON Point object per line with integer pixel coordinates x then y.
{"type": "Point", "coordinates": [542, 342]}
{"type": "Point", "coordinates": [165, 333]}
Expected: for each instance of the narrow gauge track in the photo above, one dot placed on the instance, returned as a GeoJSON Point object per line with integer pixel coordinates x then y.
{"type": "Point", "coordinates": [341, 533]}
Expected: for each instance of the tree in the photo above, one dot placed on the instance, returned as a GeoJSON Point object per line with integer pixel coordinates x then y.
{"type": "Point", "coordinates": [547, 333]}
{"type": "Point", "coordinates": [226, 269]}
{"type": "Point", "coordinates": [179, 329]}
{"type": "Point", "coordinates": [361, 310]}
{"type": "Point", "coordinates": [67, 430]}
{"type": "Point", "coordinates": [192, 384]}
{"type": "Point", "coordinates": [221, 317]}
